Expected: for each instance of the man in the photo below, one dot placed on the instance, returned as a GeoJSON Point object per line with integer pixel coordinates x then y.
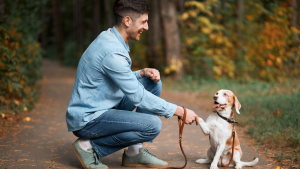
{"type": "Point", "coordinates": [106, 91]}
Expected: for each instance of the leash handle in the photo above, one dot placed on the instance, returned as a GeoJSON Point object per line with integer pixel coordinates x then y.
{"type": "Point", "coordinates": [181, 126]}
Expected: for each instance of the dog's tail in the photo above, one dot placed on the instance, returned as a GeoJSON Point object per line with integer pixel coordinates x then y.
{"type": "Point", "coordinates": [250, 164]}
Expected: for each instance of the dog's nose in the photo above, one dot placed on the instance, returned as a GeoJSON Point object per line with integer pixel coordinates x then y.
{"type": "Point", "coordinates": [215, 97]}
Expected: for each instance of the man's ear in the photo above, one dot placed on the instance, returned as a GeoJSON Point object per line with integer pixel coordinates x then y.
{"type": "Point", "coordinates": [127, 21]}
{"type": "Point", "coordinates": [237, 104]}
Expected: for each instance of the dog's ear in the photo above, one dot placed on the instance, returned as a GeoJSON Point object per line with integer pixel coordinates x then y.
{"type": "Point", "coordinates": [237, 104]}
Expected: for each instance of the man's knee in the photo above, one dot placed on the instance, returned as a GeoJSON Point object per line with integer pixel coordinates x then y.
{"type": "Point", "coordinates": [157, 87]}
{"type": "Point", "coordinates": [153, 87]}
{"type": "Point", "coordinates": [155, 125]}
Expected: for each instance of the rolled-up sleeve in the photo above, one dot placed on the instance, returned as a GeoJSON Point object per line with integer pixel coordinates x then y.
{"type": "Point", "coordinates": [118, 67]}
{"type": "Point", "coordinates": [137, 74]}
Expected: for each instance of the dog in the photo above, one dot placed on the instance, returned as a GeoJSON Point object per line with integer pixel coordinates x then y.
{"type": "Point", "coordinates": [220, 133]}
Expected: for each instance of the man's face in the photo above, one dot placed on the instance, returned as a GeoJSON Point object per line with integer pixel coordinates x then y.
{"type": "Point", "coordinates": [137, 27]}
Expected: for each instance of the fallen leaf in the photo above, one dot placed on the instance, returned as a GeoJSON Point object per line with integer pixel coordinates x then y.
{"type": "Point", "coordinates": [27, 119]}
{"type": "Point", "coordinates": [17, 102]}
{"type": "Point", "coordinates": [277, 112]}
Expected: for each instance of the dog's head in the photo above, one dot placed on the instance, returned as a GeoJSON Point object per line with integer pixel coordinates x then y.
{"type": "Point", "coordinates": [224, 99]}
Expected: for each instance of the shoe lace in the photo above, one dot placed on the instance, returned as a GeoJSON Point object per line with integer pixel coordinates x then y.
{"type": "Point", "coordinates": [147, 151]}
{"type": "Point", "coordinates": [96, 158]}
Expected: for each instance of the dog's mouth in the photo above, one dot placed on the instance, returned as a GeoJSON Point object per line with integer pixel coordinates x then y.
{"type": "Point", "coordinates": [218, 105]}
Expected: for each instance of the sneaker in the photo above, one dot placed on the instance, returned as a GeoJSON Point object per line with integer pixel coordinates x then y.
{"type": "Point", "coordinates": [89, 158]}
{"type": "Point", "coordinates": [143, 159]}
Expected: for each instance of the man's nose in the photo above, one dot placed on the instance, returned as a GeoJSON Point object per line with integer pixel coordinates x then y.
{"type": "Point", "coordinates": [146, 27]}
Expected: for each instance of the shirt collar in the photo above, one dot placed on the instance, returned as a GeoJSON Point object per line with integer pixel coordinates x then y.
{"type": "Point", "coordinates": [117, 34]}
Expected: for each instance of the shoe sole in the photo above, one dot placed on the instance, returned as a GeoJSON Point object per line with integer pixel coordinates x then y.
{"type": "Point", "coordinates": [143, 165]}
{"type": "Point", "coordinates": [78, 156]}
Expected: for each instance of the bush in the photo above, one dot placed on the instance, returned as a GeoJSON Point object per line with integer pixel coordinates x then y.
{"type": "Point", "coordinates": [264, 49]}
{"type": "Point", "coordinates": [20, 56]}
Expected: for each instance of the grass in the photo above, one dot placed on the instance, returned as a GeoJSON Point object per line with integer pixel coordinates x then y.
{"type": "Point", "coordinates": [270, 110]}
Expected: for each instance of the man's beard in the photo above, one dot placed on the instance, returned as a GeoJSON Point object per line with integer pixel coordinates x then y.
{"type": "Point", "coordinates": [134, 35]}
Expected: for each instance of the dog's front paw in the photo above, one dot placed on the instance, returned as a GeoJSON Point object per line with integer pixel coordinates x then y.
{"type": "Point", "coordinates": [200, 119]}
{"type": "Point", "coordinates": [201, 161]}
{"type": "Point", "coordinates": [214, 167]}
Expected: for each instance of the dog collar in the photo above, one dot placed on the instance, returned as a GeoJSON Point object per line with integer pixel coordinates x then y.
{"type": "Point", "coordinates": [227, 119]}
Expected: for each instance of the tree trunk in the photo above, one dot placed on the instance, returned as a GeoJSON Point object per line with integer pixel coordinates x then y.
{"type": "Point", "coordinates": [154, 33]}
{"type": "Point", "coordinates": [293, 4]}
{"type": "Point", "coordinates": [171, 35]}
{"type": "Point", "coordinates": [78, 16]}
{"type": "Point", "coordinates": [108, 13]}
{"type": "Point", "coordinates": [215, 11]}
{"type": "Point", "coordinates": [240, 14]}
{"type": "Point", "coordinates": [96, 18]}
{"type": "Point", "coordinates": [2, 12]}
{"type": "Point", "coordinates": [223, 9]}
{"type": "Point", "coordinates": [57, 27]}
{"type": "Point", "coordinates": [181, 7]}
{"type": "Point", "coordinates": [44, 28]}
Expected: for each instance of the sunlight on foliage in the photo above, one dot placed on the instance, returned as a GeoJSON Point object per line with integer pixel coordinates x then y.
{"type": "Point", "coordinates": [265, 49]}
{"type": "Point", "coordinates": [175, 65]}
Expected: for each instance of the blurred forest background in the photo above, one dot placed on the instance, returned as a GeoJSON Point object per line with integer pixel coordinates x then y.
{"type": "Point", "coordinates": [249, 46]}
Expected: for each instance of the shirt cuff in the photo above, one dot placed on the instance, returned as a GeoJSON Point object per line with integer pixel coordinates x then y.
{"type": "Point", "coordinates": [137, 74]}
{"type": "Point", "coordinates": [171, 110]}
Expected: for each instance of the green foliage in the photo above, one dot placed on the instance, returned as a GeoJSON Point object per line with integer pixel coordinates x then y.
{"type": "Point", "coordinates": [20, 56]}
{"type": "Point", "coordinates": [262, 46]}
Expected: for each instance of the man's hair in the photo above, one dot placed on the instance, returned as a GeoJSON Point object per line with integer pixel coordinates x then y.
{"type": "Point", "coordinates": [131, 8]}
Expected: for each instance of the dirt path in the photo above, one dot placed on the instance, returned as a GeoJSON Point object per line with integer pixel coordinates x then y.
{"type": "Point", "coordinates": [44, 142]}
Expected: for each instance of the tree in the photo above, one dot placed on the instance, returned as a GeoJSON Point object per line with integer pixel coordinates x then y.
{"type": "Point", "coordinates": [96, 18]}
{"type": "Point", "coordinates": [154, 35]}
{"type": "Point", "coordinates": [78, 23]}
{"type": "Point", "coordinates": [240, 15]}
{"type": "Point", "coordinates": [1, 10]}
{"type": "Point", "coordinates": [171, 37]}
{"type": "Point", "coordinates": [44, 30]}
{"type": "Point", "coordinates": [293, 5]}
{"type": "Point", "coordinates": [181, 6]}
{"type": "Point", "coordinates": [57, 27]}
{"type": "Point", "coordinates": [109, 19]}
{"type": "Point", "coordinates": [223, 9]}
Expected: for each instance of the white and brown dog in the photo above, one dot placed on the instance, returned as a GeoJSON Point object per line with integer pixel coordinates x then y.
{"type": "Point", "coordinates": [220, 133]}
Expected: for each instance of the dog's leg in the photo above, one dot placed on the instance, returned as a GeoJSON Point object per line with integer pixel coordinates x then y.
{"type": "Point", "coordinates": [220, 149]}
{"type": "Point", "coordinates": [208, 160]}
{"type": "Point", "coordinates": [237, 160]}
{"type": "Point", "coordinates": [203, 126]}
{"type": "Point", "coordinates": [204, 161]}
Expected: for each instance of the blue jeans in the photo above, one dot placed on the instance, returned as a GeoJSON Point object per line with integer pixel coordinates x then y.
{"type": "Point", "coordinates": [119, 127]}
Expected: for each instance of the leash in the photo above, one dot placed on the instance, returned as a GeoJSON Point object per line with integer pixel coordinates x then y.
{"type": "Point", "coordinates": [181, 126]}
{"type": "Point", "coordinates": [232, 121]}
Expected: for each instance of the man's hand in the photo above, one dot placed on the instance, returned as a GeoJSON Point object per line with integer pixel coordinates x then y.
{"type": "Point", "coordinates": [191, 117]}
{"type": "Point", "coordinates": [153, 74]}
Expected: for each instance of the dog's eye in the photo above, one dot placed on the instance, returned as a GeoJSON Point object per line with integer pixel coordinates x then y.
{"type": "Point", "coordinates": [225, 94]}
{"type": "Point", "coordinates": [217, 93]}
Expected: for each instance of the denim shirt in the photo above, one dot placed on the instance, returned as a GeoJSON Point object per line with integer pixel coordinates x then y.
{"type": "Point", "coordinates": [103, 78]}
